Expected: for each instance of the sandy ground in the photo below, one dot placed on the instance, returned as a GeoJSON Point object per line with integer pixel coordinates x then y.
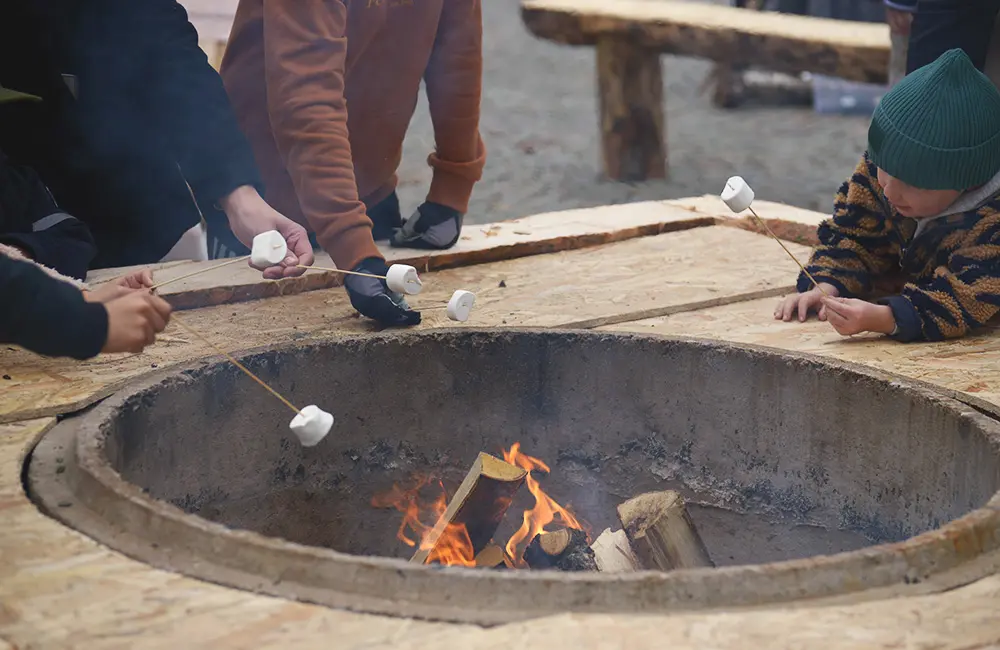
{"type": "Point", "coordinates": [540, 126]}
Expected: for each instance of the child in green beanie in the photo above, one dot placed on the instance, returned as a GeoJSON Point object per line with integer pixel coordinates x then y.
{"type": "Point", "coordinates": [922, 207]}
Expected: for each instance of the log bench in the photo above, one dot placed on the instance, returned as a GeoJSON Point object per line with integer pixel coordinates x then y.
{"type": "Point", "coordinates": [630, 36]}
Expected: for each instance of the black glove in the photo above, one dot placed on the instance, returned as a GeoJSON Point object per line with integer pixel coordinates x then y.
{"type": "Point", "coordinates": [432, 226]}
{"type": "Point", "coordinates": [372, 297]}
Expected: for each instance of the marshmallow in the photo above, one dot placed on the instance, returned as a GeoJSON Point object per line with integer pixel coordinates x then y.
{"type": "Point", "coordinates": [737, 194]}
{"type": "Point", "coordinates": [460, 305]}
{"type": "Point", "coordinates": [311, 425]}
{"type": "Point", "coordinates": [269, 249]}
{"type": "Point", "coordinates": [403, 279]}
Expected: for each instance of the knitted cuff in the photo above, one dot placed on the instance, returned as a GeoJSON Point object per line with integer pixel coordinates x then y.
{"type": "Point", "coordinates": [15, 254]}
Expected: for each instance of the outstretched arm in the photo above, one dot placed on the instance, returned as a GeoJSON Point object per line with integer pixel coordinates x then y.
{"type": "Point", "coordinates": [305, 56]}
{"type": "Point", "coordinates": [858, 243]}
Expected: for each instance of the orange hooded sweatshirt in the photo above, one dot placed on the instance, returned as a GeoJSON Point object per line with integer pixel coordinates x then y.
{"type": "Point", "coordinates": [325, 89]}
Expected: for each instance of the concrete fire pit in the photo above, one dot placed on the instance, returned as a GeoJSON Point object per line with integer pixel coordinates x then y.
{"type": "Point", "coordinates": [807, 479]}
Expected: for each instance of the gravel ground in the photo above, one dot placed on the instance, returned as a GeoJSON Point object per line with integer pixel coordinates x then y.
{"type": "Point", "coordinates": [539, 121]}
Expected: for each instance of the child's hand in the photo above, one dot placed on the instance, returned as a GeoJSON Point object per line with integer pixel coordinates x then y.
{"type": "Point", "coordinates": [804, 303]}
{"type": "Point", "coordinates": [105, 293]}
{"type": "Point", "coordinates": [134, 320]}
{"type": "Point", "coordinates": [851, 316]}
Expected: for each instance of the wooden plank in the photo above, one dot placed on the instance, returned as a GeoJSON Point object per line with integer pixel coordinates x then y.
{"type": "Point", "coordinates": [779, 42]}
{"type": "Point", "coordinates": [479, 244]}
{"type": "Point", "coordinates": [668, 270]}
{"type": "Point", "coordinates": [787, 222]}
{"type": "Point", "coordinates": [970, 365]}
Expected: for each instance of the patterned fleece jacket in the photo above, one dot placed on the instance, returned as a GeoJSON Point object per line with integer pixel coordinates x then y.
{"type": "Point", "coordinates": [950, 262]}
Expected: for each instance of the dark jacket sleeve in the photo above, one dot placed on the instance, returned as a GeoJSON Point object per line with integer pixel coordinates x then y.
{"type": "Point", "coordinates": [31, 220]}
{"type": "Point", "coordinates": [185, 99]}
{"type": "Point", "coordinates": [48, 316]}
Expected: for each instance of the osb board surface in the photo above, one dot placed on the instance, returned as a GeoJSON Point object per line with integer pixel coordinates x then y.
{"type": "Point", "coordinates": [970, 365]}
{"type": "Point", "coordinates": [60, 589]}
{"type": "Point", "coordinates": [665, 270]}
{"type": "Point", "coordinates": [538, 234]}
{"type": "Point", "coordinates": [785, 221]}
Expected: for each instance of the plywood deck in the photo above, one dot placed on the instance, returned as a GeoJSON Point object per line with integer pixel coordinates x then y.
{"type": "Point", "coordinates": [59, 589]}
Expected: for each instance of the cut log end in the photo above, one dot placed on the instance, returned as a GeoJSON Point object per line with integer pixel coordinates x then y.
{"type": "Point", "coordinates": [565, 550]}
{"type": "Point", "coordinates": [494, 557]}
{"type": "Point", "coordinates": [662, 533]}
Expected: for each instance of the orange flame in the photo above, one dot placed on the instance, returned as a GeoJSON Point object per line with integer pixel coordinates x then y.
{"type": "Point", "coordinates": [545, 511]}
{"type": "Point", "coordinates": [453, 547]}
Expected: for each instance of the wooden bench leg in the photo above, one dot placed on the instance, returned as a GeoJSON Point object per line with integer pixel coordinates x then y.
{"type": "Point", "coordinates": [630, 89]}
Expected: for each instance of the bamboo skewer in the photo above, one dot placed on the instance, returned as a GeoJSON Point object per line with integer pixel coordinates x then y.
{"type": "Point", "coordinates": [233, 360]}
{"type": "Point", "coordinates": [333, 270]}
{"type": "Point", "coordinates": [200, 271]}
{"type": "Point", "coordinates": [763, 225]}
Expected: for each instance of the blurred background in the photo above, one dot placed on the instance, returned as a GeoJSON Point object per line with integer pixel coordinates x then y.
{"type": "Point", "coordinates": [539, 122]}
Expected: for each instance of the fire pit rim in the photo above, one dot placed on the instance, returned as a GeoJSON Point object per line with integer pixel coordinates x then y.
{"type": "Point", "coordinates": [908, 562]}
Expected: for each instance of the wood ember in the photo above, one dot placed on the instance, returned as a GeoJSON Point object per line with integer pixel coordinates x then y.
{"type": "Point", "coordinates": [613, 553]}
{"type": "Point", "coordinates": [565, 550]}
{"type": "Point", "coordinates": [494, 557]}
{"type": "Point", "coordinates": [661, 532]}
{"type": "Point", "coordinates": [479, 504]}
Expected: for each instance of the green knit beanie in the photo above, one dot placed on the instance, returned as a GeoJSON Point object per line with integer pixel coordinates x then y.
{"type": "Point", "coordinates": [939, 128]}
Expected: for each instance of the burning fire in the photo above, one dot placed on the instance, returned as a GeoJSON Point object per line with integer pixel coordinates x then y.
{"type": "Point", "coordinates": [454, 546]}
{"type": "Point", "coordinates": [546, 510]}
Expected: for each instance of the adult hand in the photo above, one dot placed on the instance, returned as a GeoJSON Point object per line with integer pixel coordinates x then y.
{"type": "Point", "coordinates": [851, 316]}
{"type": "Point", "coordinates": [373, 298]}
{"type": "Point", "coordinates": [249, 215]}
{"type": "Point", "coordinates": [432, 226]}
{"type": "Point", "coordinates": [134, 320]}
{"type": "Point", "coordinates": [804, 303]}
{"type": "Point", "coordinates": [105, 293]}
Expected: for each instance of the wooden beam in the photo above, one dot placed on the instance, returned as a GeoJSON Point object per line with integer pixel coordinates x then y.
{"type": "Point", "coordinates": [661, 532]}
{"type": "Point", "coordinates": [630, 96]}
{"type": "Point", "coordinates": [479, 504]}
{"type": "Point", "coordinates": [781, 42]}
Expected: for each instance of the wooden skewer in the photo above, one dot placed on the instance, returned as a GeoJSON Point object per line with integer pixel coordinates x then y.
{"type": "Point", "coordinates": [333, 270]}
{"type": "Point", "coordinates": [233, 360]}
{"type": "Point", "coordinates": [200, 271]}
{"type": "Point", "coordinates": [790, 254]}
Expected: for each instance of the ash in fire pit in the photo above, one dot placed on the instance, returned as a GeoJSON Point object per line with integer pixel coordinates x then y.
{"type": "Point", "coordinates": [777, 458]}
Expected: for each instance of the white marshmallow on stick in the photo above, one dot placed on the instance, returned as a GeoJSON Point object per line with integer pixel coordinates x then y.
{"type": "Point", "coordinates": [460, 305]}
{"type": "Point", "coordinates": [269, 248]}
{"type": "Point", "coordinates": [737, 194]}
{"type": "Point", "coordinates": [311, 424]}
{"type": "Point", "coordinates": [403, 279]}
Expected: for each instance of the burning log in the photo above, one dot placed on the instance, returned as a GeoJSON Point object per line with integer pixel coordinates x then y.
{"type": "Point", "coordinates": [565, 549]}
{"type": "Point", "coordinates": [661, 532]}
{"type": "Point", "coordinates": [494, 557]}
{"type": "Point", "coordinates": [476, 509]}
{"type": "Point", "coordinates": [614, 554]}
